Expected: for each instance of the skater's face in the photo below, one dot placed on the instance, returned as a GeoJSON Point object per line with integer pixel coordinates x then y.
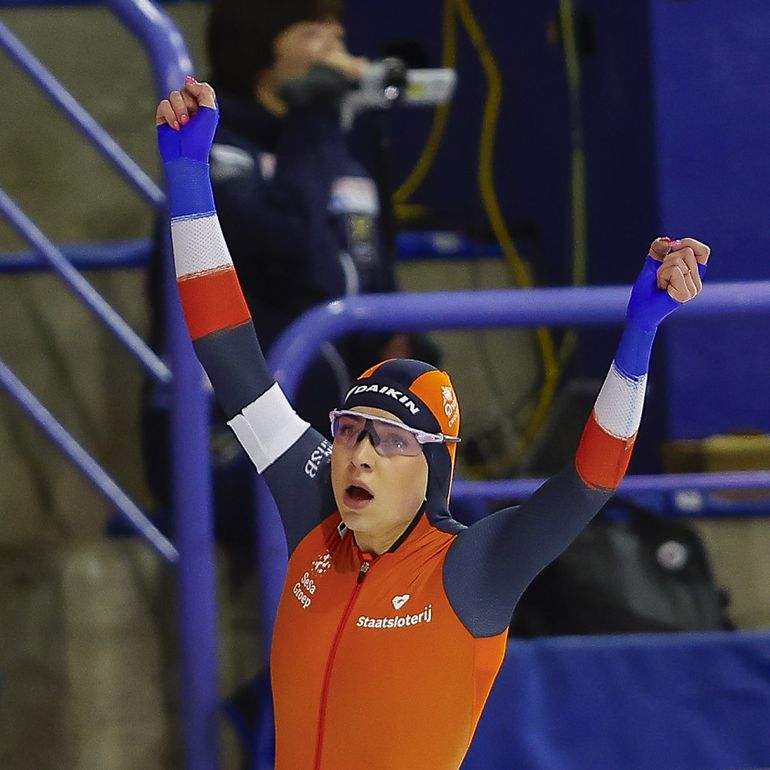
{"type": "Point", "coordinates": [377, 496]}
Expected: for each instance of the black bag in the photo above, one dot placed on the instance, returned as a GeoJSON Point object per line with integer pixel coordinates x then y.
{"type": "Point", "coordinates": [644, 573]}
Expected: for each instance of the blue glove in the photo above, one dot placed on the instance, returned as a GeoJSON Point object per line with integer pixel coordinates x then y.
{"type": "Point", "coordinates": [192, 141]}
{"type": "Point", "coordinates": [649, 305]}
{"type": "Point", "coordinates": [185, 154]}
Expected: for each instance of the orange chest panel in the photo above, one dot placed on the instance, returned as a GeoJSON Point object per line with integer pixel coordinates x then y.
{"type": "Point", "coordinates": [374, 667]}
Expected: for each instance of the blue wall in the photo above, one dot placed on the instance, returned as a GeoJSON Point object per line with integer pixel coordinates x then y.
{"type": "Point", "coordinates": [636, 702]}
{"type": "Point", "coordinates": [711, 65]}
{"type": "Point", "coordinates": [532, 148]}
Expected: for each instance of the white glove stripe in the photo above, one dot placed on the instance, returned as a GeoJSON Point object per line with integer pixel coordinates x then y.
{"type": "Point", "coordinates": [619, 405]}
{"type": "Point", "coordinates": [199, 245]}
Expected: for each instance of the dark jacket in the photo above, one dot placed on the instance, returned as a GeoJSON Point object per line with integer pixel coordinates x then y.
{"type": "Point", "coordinates": [298, 213]}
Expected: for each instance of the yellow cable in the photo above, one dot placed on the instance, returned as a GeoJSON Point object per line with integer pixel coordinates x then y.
{"type": "Point", "coordinates": [578, 165]}
{"type": "Point", "coordinates": [409, 211]}
{"type": "Point", "coordinates": [519, 269]}
{"type": "Point", "coordinates": [579, 218]}
{"type": "Point", "coordinates": [440, 116]}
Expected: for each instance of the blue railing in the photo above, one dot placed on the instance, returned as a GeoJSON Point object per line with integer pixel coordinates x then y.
{"type": "Point", "coordinates": [589, 306]}
{"type": "Point", "coordinates": [135, 253]}
{"type": "Point", "coordinates": [191, 487]}
{"type": "Point", "coordinates": [81, 288]}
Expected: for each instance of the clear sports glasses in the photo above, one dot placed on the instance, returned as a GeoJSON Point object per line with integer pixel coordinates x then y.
{"type": "Point", "coordinates": [389, 438]}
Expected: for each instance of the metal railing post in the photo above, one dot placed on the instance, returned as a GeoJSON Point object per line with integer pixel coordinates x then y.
{"type": "Point", "coordinates": [191, 483]}
{"type": "Point", "coordinates": [191, 469]}
{"type": "Point", "coordinates": [83, 461]}
{"type": "Point", "coordinates": [194, 539]}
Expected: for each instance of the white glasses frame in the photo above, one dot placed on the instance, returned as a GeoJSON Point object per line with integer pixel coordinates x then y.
{"type": "Point", "coordinates": [423, 437]}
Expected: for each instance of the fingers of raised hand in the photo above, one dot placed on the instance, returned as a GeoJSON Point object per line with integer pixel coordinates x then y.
{"type": "Point", "coordinates": [677, 286]}
{"type": "Point", "coordinates": [172, 111]}
{"type": "Point", "coordinates": [662, 246]}
{"type": "Point", "coordinates": [182, 105]}
{"type": "Point", "coordinates": [202, 94]}
{"type": "Point", "coordinates": [179, 106]}
{"type": "Point", "coordinates": [190, 102]}
{"type": "Point", "coordinates": [700, 250]}
{"type": "Point", "coordinates": [691, 262]}
{"type": "Point", "coordinates": [165, 114]}
{"type": "Point", "coordinates": [684, 259]}
{"type": "Point", "coordinates": [659, 248]}
{"type": "Point", "coordinates": [678, 275]}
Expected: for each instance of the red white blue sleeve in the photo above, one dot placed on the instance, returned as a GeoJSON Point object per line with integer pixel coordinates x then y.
{"type": "Point", "coordinates": [492, 562]}
{"type": "Point", "coordinates": [279, 443]}
{"type": "Point", "coordinates": [608, 439]}
{"type": "Point", "coordinates": [221, 328]}
{"type": "Point", "coordinates": [609, 436]}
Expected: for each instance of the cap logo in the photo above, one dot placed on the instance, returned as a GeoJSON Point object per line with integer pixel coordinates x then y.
{"type": "Point", "coordinates": [385, 390]}
{"type": "Point", "coordinates": [450, 404]}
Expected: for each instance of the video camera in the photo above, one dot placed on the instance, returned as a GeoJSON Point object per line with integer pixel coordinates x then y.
{"type": "Point", "coordinates": [386, 82]}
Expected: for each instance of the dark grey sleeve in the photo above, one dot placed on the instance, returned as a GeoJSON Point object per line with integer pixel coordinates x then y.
{"type": "Point", "coordinates": [491, 563]}
{"type": "Point", "coordinates": [292, 457]}
{"type": "Point", "coordinates": [300, 484]}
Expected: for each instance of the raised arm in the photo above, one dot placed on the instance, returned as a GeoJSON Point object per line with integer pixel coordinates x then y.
{"type": "Point", "coordinates": [279, 443]}
{"type": "Point", "coordinates": [491, 563]}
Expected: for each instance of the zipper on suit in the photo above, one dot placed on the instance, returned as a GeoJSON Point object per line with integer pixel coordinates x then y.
{"type": "Point", "coordinates": [364, 568]}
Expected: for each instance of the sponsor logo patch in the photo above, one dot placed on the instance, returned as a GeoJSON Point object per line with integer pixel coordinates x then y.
{"type": "Point", "coordinates": [317, 458]}
{"type": "Point", "coordinates": [385, 390]}
{"type": "Point", "coordinates": [397, 621]}
{"type": "Point", "coordinates": [304, 589]}
{"type": "Point", "coordinates": [322, 563]}
{"type": "Point", "coordinates": [450, 404]}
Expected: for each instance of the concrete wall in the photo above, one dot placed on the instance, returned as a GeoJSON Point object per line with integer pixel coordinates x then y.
{"type": "Point", "coordinates": [86, 669]}
{"type": "Point", "coordinates": [88, 655]}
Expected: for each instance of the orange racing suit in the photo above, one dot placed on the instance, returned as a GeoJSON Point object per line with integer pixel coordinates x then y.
{"type": "Point", "coordinates": [382, 662]}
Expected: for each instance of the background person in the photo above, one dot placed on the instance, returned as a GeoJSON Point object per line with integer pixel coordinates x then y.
{"type": "Point", "coordinates": [393, 621]}
{"type": "Point", "coordinates": [299, 214]}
